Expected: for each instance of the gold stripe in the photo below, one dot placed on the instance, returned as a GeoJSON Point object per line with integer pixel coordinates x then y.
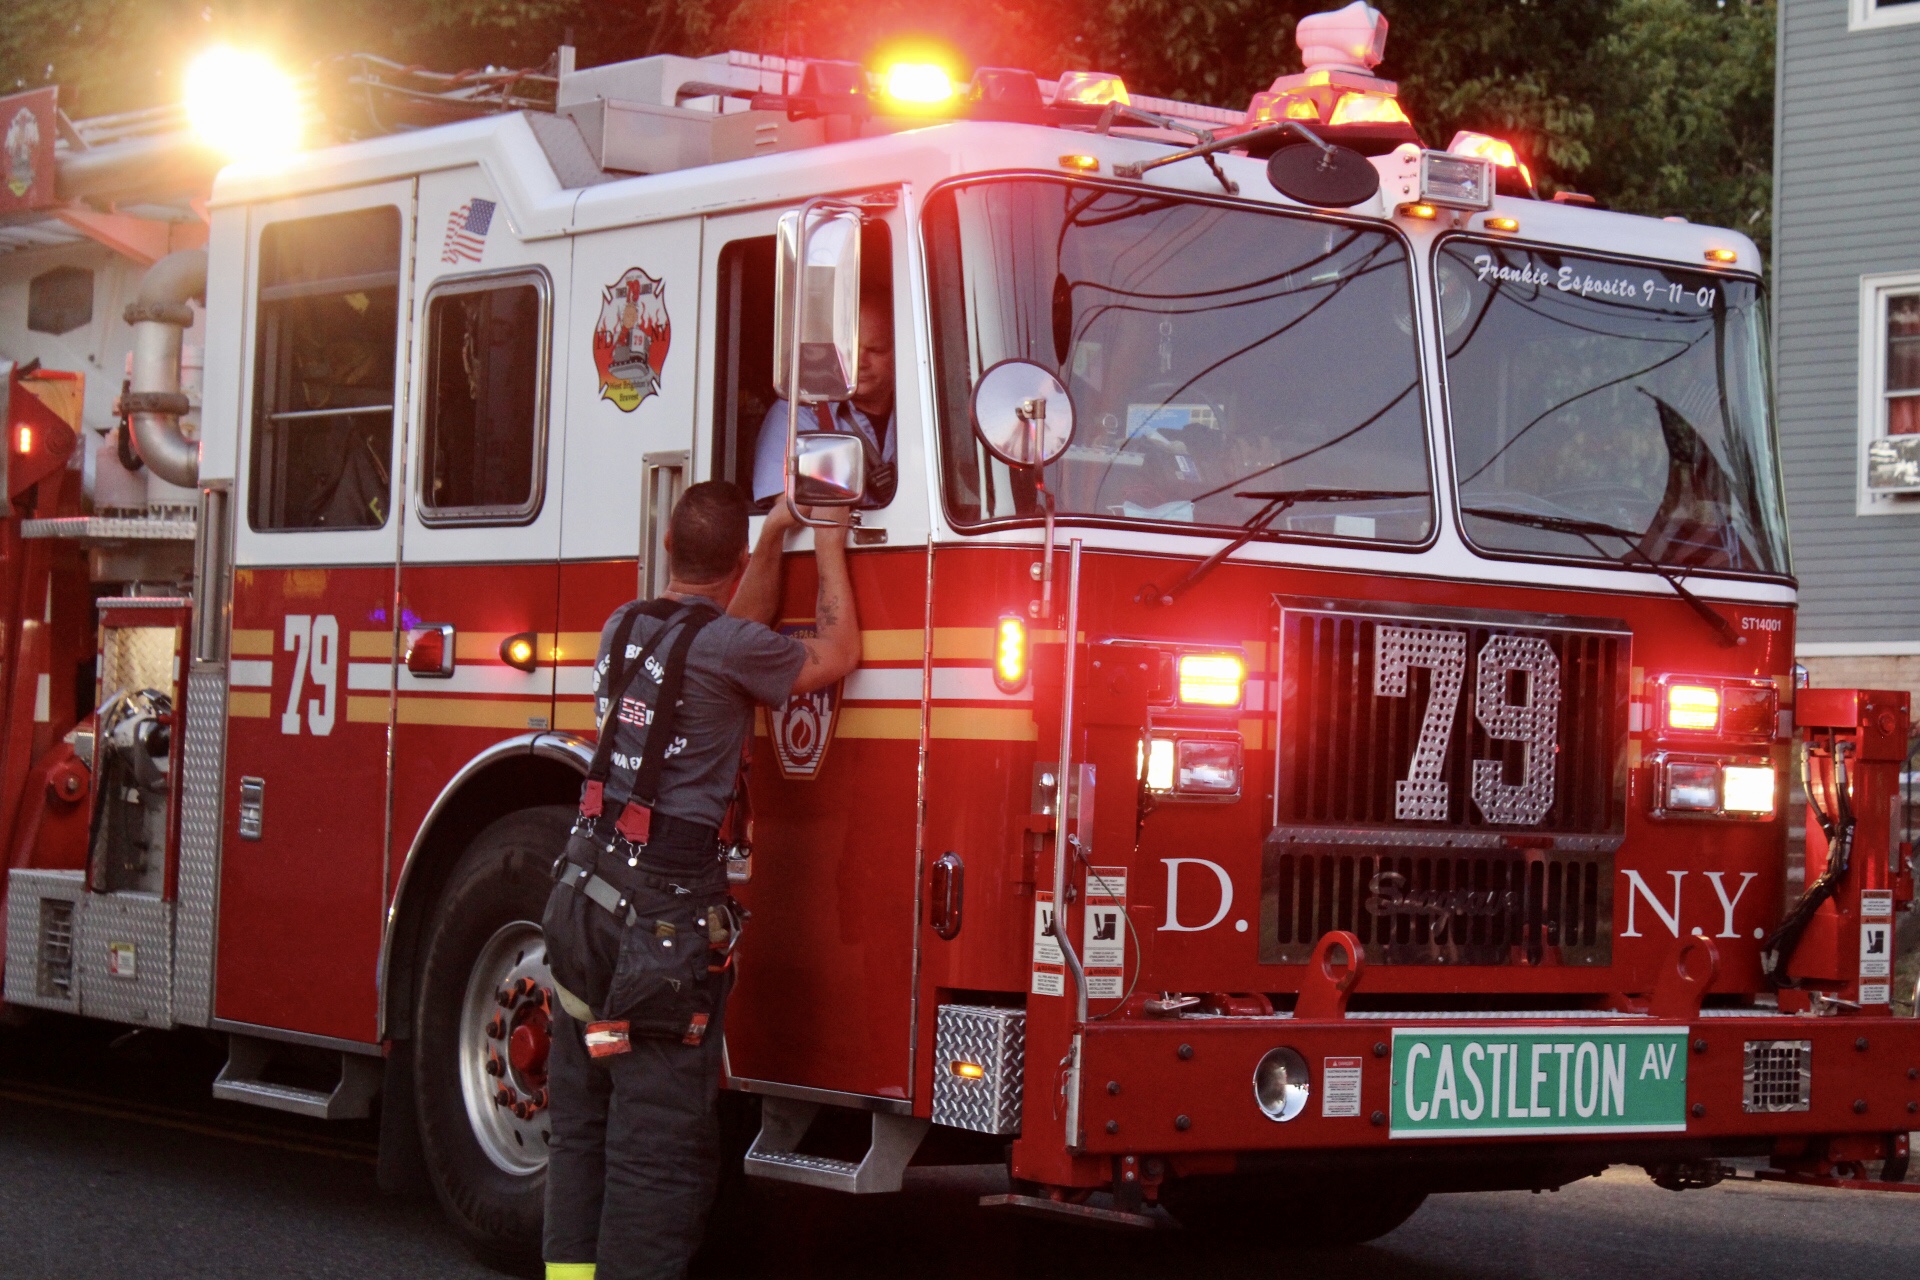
{"type": "Point", "coordinates": [366, 710]}
{"type": "Point", "coordinates": [575, 646]}
{"type": "Point", "coordinates": [471, 712]}
{"type": "Point", "coordinates": [1253, 733]}
{"type": "Point", "coordinates": [370, 644]}
{"type": "Point", "coordinates": [576, 714]}
{"type": "Point", "coordinates": [965, 642]}
{"type": "Point", "coordinates": [893, 646]}
{"type": "Point", "coordinates": [250, 705]}
{"type": "Point", "coordinates": [879, 722]}
{"type": "Point", "coordinates": [251, 644]}
{"type": "Point", "coordinates": [997, 724]}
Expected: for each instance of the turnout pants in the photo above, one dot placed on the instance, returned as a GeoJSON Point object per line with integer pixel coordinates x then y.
{"type": "Point", "coordinates": [635, 1157]}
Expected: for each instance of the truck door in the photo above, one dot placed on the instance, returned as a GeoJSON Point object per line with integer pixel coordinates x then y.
{"type": "Point", "coordinates": [301, 897]}
{"type": "Point", "coordinates": [825, 997]}
{"type": "Point", "coordinates": [481, 527]}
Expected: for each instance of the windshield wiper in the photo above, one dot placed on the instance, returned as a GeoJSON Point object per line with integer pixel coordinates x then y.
{"type": "Point", "coordinates": [1278, 501]}
{"type": "Point", "coordinates": [1588, 530]}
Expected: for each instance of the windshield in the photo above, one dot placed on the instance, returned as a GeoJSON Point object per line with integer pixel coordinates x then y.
{"type": "Point", "coordinates": [1208, 350]}
{"type": "Point", "coordinates": [1591, 392]}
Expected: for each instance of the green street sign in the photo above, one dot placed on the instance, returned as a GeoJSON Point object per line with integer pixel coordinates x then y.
{"type": "Point", "coordinates": [1520, 1081]}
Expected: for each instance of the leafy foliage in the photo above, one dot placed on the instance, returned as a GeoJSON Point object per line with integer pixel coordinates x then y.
{"type": "Point", "coordinates": [1657, 106]}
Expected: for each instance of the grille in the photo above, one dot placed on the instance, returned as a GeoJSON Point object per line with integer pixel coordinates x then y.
{"type": "Point", "coordinates": [1474, 906]}
{"type": "Point", "coordinates": [56, 949]}
{"type": "Point", "coordinates": [1778, 1076]}
{"type": "Point", "coordinates": [1357, 746]}
{"type": "Point", "coordinates": [993, 1039]}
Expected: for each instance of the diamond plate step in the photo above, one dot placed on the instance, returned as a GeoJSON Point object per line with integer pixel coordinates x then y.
{"type": "Point", "coordinates": [247, 1059]}
{"type": "Point", "coordinates": [785, 1121]}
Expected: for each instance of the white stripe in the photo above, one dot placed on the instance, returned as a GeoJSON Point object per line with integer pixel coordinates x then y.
{"type": "Point", "coordinates": [373, 677]}
{"type": "Point", "coordinates": [1857, 649]}
{"type": "Point", "coordinates": [973, 684]}
{"type": "Point", "coordinates": [252, 673]}
{"type": "Point", "coordinates": [42, 698]}
{"type": "Point", "coordinates": [883, 684]}
{"type": "Point", "coordinates": [574, 682]}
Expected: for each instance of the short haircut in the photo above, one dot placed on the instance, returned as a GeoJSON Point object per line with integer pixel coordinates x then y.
{"type": "Point", "coordinates": [709, 528]}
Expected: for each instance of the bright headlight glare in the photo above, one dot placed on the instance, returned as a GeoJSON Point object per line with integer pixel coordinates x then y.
{"type": "Point", "coordinates": [1281, 1085]}
{"type": "Point", "coordinates": [1211, 679]}
{"type": "Point", "coordinates": [1747, 788]}
{"type": "Point", "coordinates": [243, 106]}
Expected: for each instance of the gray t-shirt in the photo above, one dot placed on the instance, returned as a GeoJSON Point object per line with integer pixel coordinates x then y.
{"type": "Point", "coordinates": [733, 664]}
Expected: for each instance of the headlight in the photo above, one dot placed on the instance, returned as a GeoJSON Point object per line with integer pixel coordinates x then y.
{"type": "Point", "coordinates": [1747, 789]}
{"type": "Point", "coordinates": [1281, 1085]}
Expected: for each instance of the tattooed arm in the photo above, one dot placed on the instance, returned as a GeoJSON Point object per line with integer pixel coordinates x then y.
{"type": "Point", "coordinates": [758, 596]}
{"type": "Point", "coordinates": [835, 649]}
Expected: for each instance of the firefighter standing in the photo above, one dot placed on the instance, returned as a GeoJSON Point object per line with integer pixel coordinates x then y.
{"type": "Point", "coordinates": [638, 926]}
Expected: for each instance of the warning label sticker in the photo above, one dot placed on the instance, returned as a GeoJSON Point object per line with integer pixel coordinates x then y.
{"type": "Point", "coordinates": [122, 961]}
{"type": "Point", "coordinates": [1876, 949]}
{"type": "Point", "coordinates": [1876, 904]}
{"type": "Point", "coordinates": [1049, 963]}
{"type": "Point", "coordinates": [1339, 1087]}
{"type": "Point", "coordinates": [1103, 944]}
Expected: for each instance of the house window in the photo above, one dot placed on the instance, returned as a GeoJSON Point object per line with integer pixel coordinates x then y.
{"type": "Point", "coordinates": [1881, 13]}
{"type": "Point", "coordinates": [486, 400]}
{"type": "Point", "coordinates": [1890, 390]}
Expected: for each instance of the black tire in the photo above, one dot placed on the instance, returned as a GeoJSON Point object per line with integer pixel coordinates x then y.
{"type": "Point", "coordinates": [499, 885]}
{"type": "Point", "coordinates": [1283, 1215]}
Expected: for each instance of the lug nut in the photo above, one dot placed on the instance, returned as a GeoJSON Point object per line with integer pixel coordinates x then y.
{"type": "Point", "coordinates": [494, 1065]}
{"type": "Point", "coordinates": [496, 1028]}
{"type": "Point", "coordinates": [503, 1097]}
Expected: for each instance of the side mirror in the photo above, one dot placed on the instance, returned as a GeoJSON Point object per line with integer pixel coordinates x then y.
{"type": "Point", "coordinates": [820, 301]}
{"type": "Point", "coordinates": [1022, 414]}
{"type": "Point", "coordinates": [829, 469]}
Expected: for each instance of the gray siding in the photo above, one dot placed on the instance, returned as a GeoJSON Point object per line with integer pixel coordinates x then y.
{"type": "Point", "coordinates": [1847, 204]}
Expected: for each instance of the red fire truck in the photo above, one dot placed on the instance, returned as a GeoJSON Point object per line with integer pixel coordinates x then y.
{"type": "Point", "coordinates": [1327, 693]}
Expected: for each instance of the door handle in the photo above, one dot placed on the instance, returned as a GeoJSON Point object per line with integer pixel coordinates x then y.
{"type": "Point", "coordinates": [430, 650]}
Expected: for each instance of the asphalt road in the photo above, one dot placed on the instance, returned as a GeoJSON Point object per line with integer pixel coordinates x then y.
{"type": "Point", "coordinates": [115, 1162]}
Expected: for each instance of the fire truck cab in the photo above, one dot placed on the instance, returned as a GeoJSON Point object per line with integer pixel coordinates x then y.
{"type": "Point", "coordinates": [1327, 693]}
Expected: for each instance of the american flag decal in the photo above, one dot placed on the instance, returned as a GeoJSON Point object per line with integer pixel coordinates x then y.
{"type": "Point", "coordinates": [467, 231]}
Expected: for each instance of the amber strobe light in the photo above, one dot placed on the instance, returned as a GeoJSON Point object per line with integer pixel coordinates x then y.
{"type": "Point", "coordinates": [1724, 257]}
{"type": "Point", "coordinates": [1211, 679]}
{"type": "Point", "coordinates": [23, 439]}
{"type": "Point", "coordinates": [520, 651]}
{"type": "Point", "coordinates": [1693, 707]}
{"type": "Point", "coordinates": [968, 1070]}
{"type": "Point", "coordinates": [919, 84]}
{"type": "Point", "coordinates": [1010, 653]}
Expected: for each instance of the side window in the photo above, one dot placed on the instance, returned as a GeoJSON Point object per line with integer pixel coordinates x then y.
{"type": "Point", "coordinates": [749, 436]}
{"type": "Point", "coordinates": [486, 408]}
{"type": "Point", "coordinates": [1890, 391]}
{"type": "Point", "coordinates": [323, 399]}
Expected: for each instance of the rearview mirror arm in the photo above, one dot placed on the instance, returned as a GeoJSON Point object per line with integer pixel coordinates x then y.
{"type": "Point", "coordinates": [1139, 168]}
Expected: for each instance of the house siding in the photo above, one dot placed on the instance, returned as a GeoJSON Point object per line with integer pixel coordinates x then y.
{"type": "Point", "coordinates": [1847, 204]}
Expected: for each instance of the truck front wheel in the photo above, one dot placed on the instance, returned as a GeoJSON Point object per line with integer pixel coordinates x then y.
{"type": "Point", "coordinates": [1286, 1216]}
{"type": "Point", "coordinates": [481, 1034]}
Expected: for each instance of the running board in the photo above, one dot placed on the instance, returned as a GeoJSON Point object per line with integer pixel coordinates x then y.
{"type": "Point", "coordinates": [247, 1060]}
{"type": "Point", "coordinates": [784, 1122]}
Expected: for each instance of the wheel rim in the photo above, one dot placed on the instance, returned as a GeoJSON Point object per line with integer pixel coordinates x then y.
{"type": "Point", "coordinates": [504, 1029]}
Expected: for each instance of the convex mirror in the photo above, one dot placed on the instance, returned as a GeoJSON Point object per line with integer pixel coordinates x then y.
{"type": "Point", "coordinates": [829, 469]}
{"type": "Point", "coordinates": [822, 300]}
{"type": "Point", "coordinates": [1334, 177]}
{"type": "Point", "coordinates": [1022, 414]}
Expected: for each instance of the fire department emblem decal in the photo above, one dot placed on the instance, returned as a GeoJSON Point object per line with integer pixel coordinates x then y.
{"type": "Point", "coordinates": [804, 726]}
{"type": "Point", "coordinates": [630, 341]}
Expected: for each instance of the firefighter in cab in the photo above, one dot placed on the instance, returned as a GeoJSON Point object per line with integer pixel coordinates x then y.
{"type": "Point", "coordinates": [640, 928]}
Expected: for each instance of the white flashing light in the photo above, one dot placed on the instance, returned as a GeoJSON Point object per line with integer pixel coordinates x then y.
{"type": "Point", "coordinates": [243, 106]}
{"type": "Point", "coordinates": [1747, 789]}
{"type": "Point", "coordinates": [919, 84]}
{"type": "Point", "coordinates": [1091, 89]}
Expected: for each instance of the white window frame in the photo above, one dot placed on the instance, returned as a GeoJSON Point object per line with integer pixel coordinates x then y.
{"type": "Point", "coordinates": [1874, 292]}
{"type": "Point", "coordinates": [1864, 15]}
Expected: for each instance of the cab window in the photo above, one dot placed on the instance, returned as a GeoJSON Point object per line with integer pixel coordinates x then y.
{"type": "Point", "coordinates": [749, 437]}
{"type": "Point", "coordinates": [324, 380]}
{"type": "Point", "coordinates": [485, 421]}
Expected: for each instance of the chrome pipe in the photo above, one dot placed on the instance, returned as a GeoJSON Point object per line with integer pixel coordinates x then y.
{"type": "Point", "coordinates": [1063, 789]}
